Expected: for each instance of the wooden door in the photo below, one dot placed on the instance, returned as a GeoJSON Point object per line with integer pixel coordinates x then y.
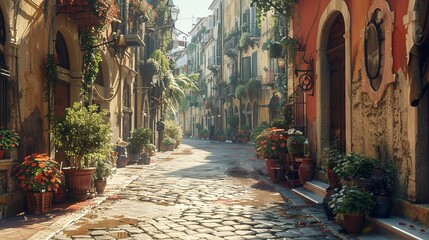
{"type": "Point", "coordinates": [336, 58]}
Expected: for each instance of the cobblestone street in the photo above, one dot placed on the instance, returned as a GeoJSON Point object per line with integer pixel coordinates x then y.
{"type": "Point", "coordinates": [202, 190]}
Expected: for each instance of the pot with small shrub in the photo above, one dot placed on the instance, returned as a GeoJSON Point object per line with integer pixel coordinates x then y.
{"type": "Point", "coordinates": [295, 142]}
{"type": "Point", "coordinates": [381, 184]}
{"type": "Point", "coordinates": [83, 134]}
{"type": "Point", "coordinates": [139, 138]}
{"type": "Point", "coordinates": [103, 170]}
{"type": "Point", "coordinates": [352, 205]}
{"type": "Point", "coordinates": [150, 149]}
{"type": "Point", "coordinates": [331, 156]}
{"type": "Point", "coordinates": [354, 169]}
{"type": "Point", "coordinates": [167, 144]}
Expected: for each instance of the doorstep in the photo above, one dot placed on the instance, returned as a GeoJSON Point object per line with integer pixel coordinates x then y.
{"type": "Point", "coordinates": [394, 227]}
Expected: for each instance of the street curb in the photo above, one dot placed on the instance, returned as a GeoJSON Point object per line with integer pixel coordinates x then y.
{"type": "Point", "coordinates": [63, 222]}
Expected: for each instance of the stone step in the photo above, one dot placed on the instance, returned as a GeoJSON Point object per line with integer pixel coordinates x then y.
{"type": "Point", "coordinates": [316, 187]}
{"type": "Point", "coordinates": [393, 227]}
{"type": "Point", "coordinates": [309, 195]}
{"type": "Point", "coordinates": [396, 227]}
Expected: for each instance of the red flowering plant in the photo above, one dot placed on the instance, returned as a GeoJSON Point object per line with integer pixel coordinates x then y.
{"type": "Point", "coordinates": [271, 142]}
{"type": "Point", "coordinates": [38, 173]}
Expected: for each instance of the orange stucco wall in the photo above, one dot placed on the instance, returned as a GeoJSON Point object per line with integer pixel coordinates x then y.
{"type": "Point", "coordinates": [305, 28]}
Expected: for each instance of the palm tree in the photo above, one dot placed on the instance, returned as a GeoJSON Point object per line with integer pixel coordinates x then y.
{"type": "Point", "coordinates": [176, 86]}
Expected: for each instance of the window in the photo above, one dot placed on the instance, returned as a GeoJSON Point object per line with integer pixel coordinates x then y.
{"type": "Point", "coordinates": [254, 64]}
{"type": "Point", "coordinates": [62, 52]}
{"type": "Point", "coordinates": [246, 69]}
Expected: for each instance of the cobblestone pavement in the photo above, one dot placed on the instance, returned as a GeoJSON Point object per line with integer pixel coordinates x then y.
{"type": "Point", "coordinates": [202, 190]}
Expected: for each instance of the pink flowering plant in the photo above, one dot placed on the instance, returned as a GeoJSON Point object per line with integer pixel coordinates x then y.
{"type": "Point", "coordinates": [38, 173]}
{"type": "Point", "coordinates": [271, 142]}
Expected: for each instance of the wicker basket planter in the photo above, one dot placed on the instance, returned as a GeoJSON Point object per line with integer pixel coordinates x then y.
{"type": "Point", "coordinates": [39, 203]}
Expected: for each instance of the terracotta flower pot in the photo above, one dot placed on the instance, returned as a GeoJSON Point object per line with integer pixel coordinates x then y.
{"type": "Point", "coordinates": [78, 182]}
{"type": "Point", "coordinates": [354, 223]}
{"type": "Point", "coordinates": [100, 185]}
{"type": "Point", "coordinates": [305, 170]}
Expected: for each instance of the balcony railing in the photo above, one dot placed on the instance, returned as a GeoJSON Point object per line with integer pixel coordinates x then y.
{"type": "Point", "coordinates": [231, 45]}
{"type": "Point", "coordinates": [254, 30]}
{"type": "Point", "coordinates": [213, 60]}
{"type": "Point", "coordinates": [86, 15]}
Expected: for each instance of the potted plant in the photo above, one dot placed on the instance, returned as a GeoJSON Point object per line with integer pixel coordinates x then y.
{"type": "Point", "coordinates": [38, 176]}
{"type": "Point", "coordinates": [83, 134]}
{"type": "Point", "coordinates": [103, 170]}
{"type": "Point", "coordinates": [351, 205]}
{"type": "Point", "coordinates": [295, 142]}
{"type": "Point", "coordinates": [173, 130]}
{"type": "Point", "coordinates": [8, 139]}
{"type": "Point", "coordinates": [203, 133]}
{"type": "Point", "coordinates": [150, 149]}
{"type": "Point", "coordinates": [167, 144]}
{"type": "Point", "coordinates": [139, 138]}
{"type": "Point", "coordinates": [381, 184]}
{"type": "Point", "coordinates": [331, 156]}
{"type": "Point", "coordinates": [271, 143]}
{"type": "Point", "coordinates": [243, 135]}
{"type": "Point", "coordinates": [354, 168]}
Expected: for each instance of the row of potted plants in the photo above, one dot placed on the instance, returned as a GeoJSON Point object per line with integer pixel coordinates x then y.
{"type": "Point", "coordinates": [358, 186]}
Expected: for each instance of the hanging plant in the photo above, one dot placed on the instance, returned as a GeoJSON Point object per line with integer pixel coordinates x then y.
{"type": "Point", "coordinates": [51, 82]}
{"type": "Point", "coordinates": [246, 42]}
{"type": "Point", "coordinates": [241, 91]}
{"type": "Point", "coordinates": [253, 86]}
{"type": "Point", "coordinates": [91, 58]}
{"type": "Point", "coordinates": [89, 13]}
{"type": "Point", "coordinates": [141, 8]}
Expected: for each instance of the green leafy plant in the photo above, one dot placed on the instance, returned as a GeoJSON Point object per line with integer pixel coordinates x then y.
{"type": "Point", "coordinates": [355, 166]}
{"type": "Point", "coordinates": [103, 168]}
{"type": "Point", "coordinates": [352, 201]}
{"type": "Point", "coordinates": [203, 133]}
{"type": "Point", "coordinates": [139, 138]}
{"type": "Point", "coordinates": [151, 147]}
{"type": "Point", "coordinates": [38, 173]}
{"type": "Point", "coordinates": [91, 57]}
{"type": "Point", "coordinates": [173, 130]}
{"type": "Point", "coordinates": [83, 134]}
{"type": "Point", "coordinates": [258, 130]}
{"type": "Point", "coordinates": [168, 141]}
{"type": "Point", "coordinates": [331, 155]}
{"type": "Point", "coordinates": [382, 178]}
{"type": "Point", "coordinates": [241, 91]}
{"type": "Point", "coordinates": [245, 41]}
{"type": "Point", "coordinates": [8, 139]}
{"type": "Point", "coordinates": [233, 122]}
{"type": "Point", "coordinates": [253, 87]}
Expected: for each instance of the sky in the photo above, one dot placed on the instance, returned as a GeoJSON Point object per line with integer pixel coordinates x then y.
{"type": "Point", "coordinates": [190, 10]}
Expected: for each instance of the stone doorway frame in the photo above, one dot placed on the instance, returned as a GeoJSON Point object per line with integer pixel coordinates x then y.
{"type": "Point", "coordinates": [328, 16]}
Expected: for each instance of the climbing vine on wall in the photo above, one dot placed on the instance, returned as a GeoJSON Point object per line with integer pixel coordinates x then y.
{"type": "Point", "coordinates": [51, 82]}
{"type": "Point", "coordinates": [91, 58]}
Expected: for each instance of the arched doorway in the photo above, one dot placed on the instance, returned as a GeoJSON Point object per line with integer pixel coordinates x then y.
{"type": "Point", "coordinates": [62, 93]}
{"type": "Point", "coordinates": [333, 66]}
{"type": "Point", "coordinates": [335, 52]}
